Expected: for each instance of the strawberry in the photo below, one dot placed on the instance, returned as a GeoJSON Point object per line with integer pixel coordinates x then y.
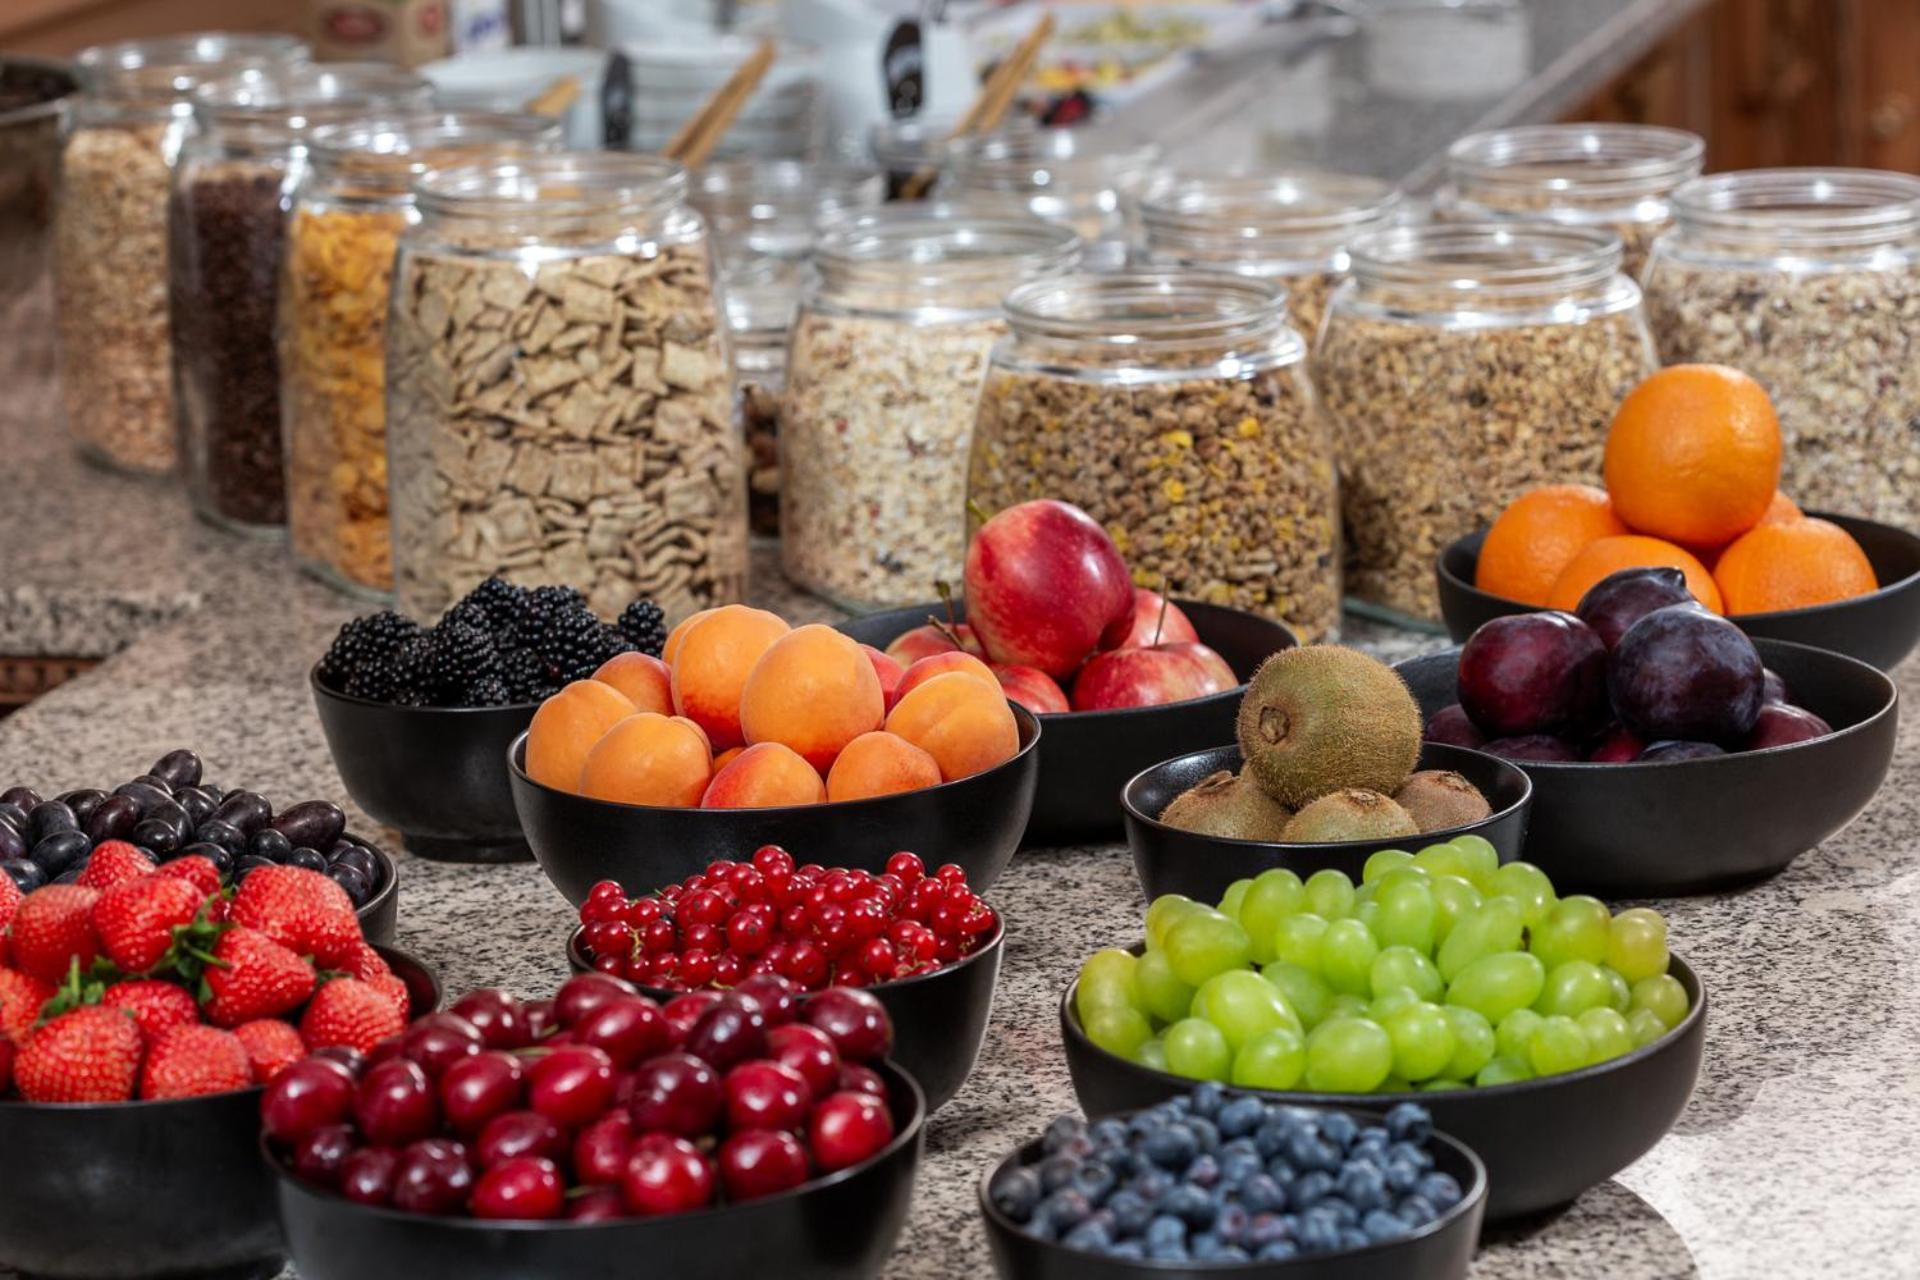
{"type": "Point", "coordinates": [85, 1055]}
{"type": "Point", "coordinates": [196, 870]}
{"type": "Point", "coordinates": [187, 1062]}
{"type": "Point", "coordinates": [366, 963]}
{"type": "Point", "coordinates": [350, 1012]}
{"type": "Point", "coordinates": [301, 910]}
{"type": "Point", "coordinates": [9, 899]}
{"type": "Point", "coordinates": [396, 991]}
{"type": "Point", "coordinates": [155, 1005]}
{"type": "Point", "coordinates": [7, 1052]}
{"type": "Point", "coordinates": [135, 919]}
{"type": "Point", "coordinates": [52, 929]}
{"type": "Point", "coordinates": [251, 976]}
{"type": "Point", "coordinates": [21, 996]}
{"type": "Point", "coordinates": [113, 861]}
{"type": "Point", "coordinates": [272, 1046]}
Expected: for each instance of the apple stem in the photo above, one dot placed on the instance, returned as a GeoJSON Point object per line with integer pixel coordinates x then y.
{"type": "Point", "coordinates": [977, 511]}
{"type": "Point", "coordinates": [1160, 622]}
{"type": "Point", "coordinates": [949, 628]}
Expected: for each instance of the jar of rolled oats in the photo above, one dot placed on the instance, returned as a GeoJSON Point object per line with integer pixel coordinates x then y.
{"type": "Point", "coordinates": [882, 380]}
{"type": "Point", "coordinates": [1174, 408]}
{"type": "Point", "coordinates": [559, 398]}
{"type": "Point", "coordinates": [1087, 178]}
{"type": "Point", "coordinates": [1460, 366]}
{"type": "Point", "coordinates": [1808, 279]}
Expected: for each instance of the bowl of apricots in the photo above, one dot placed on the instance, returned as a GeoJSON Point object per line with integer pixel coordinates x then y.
{"type": "Point", "coordinates": [747, 731]}
{"type": "Point", "coordinates": [1692, 471]}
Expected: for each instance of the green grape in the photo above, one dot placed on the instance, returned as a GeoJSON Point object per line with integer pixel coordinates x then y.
{"type": "Point", "coordinates": [1162, 995]}
{"type": "Point", "coordinates": [1390, 1000]}
{"type": "Point", "coordinates": [1608, 1035]}
{"type": "Point", "coordinates": [1646, 1027]}
{"type": "Point", "coordinates": [1498, 984]}
{"type": "Point", "coordinates": [1198, 1050]}
{"type": "Point", "coordinates": [1422, 1040]}
{"type": "Point", "coordinates": [1163, 912]}
{"type": "Point", "coordinates": [1473, 1042]}
{"type": "Point", "coordinates": [1401, 875]}
{"type": "Point", "coordinates": [1479, 859]}
{"type": "Point", "coordinates": [1504, 1070]}
{"type": "Point", "coordinates": [1442, 1086]}
{"type": "Point", "coordinates": [1152, 1054]}
{"type": "Point", "coordinates": [1203, 943]}
{"type": "Point", "coordinates": [1619, 991]}
{"type": "Point", "coordinates": [1558, 1046]}
{"type": "Point", "coordinates": [1441, 860]}
{"type": "Point", "coordinates": [1573, 988]}
{"type": "Point", "coordinates": [1106, 982]}
{"type": "Point", "coordinates": [1367, 911]}
{"type": "Point", "coordinates": [1381, 861]}
{"type": "Point", "coordinates": [1401, 966]}
{"type": "Point", "coordinates": [1235, 895]}
{"type": "Point", "coordinates": [1491, 928]}
{"type": "Point", "coordinates": [1242, 1004]}
{"type": "Point", "coordinates": [1394, 1084]}
{"type": "Point", "coordinates": [1305, 993]}
{"type": "Point", "coordinates": [1664, 995]}
{"type": "Point", "coordinates": [1274, 895]}
{"type": "Point", "coordinates": [1452, 899]}
{"type": "Point", "coordinates": [1118, 1030]}
{"type": "Point", "coordinates": [1348, 1055]}
{"type": "Point", "coordinates": [1271, 1060]}
{"type": "Point", "coordinates": [1363, 895]}
{"type": "Point", "coordinates": [1576, 929]}
{"type": "Point", "coordinates": [1406, 916]}
{"type": "Point", "coordinates": [1637, 944]}
{"type": "Point", "coordinates": [1513, 1033]}
{"type": "Point", "coordinates": [1346, 956]}
{"type": "Point", "coordinates": [1330, 894]}
{"type": "Point", "coordinates": [1344, 1005]}
{"type": "Point", "coordinates": [1528, 885]}
{"type": "Point", "coordinates": [1297, 940]}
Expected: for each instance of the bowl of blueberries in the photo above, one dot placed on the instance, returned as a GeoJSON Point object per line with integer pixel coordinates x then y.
{"type": "Point", "coordinates": [1213, 1180]}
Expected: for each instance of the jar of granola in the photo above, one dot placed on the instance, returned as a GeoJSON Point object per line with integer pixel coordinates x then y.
{"type": "Point", "coordinates": [1174, 408]}
{"type": "Point", "coordinates": [1808, 279]}
{"type": "Point", "coordinates": [227, 229]}
{"type": "Point", "coordinates": [347, 217]}
{"type": "Point", "coordinates": [559, 402]}
{"type": "Point", "coordinates": [110, 235]}
{"type": "Point", "coordinates": [1085, 177]}
{"type": "Point", "coordinates": [1459, 366]}
{"type": "Point", "coordinates": [1620, 177]}
{"type": "Point", "coordinates": [882, 381]}
{"type": "Point", "coordinates": [1291, 228]}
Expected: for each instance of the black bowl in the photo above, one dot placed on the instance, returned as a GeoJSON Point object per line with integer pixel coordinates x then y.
{"type": "Point", "coordinates": [975, 822]}
{"type": "Point", "coordinates": [939, 1018]}
{"type": "Point", "coordinates": [137, 1189]}
{"type": "Point", "coordinates": [432, 773]}
{"type": "Point", "coordinates": [841, 1227]}
{"type": "Point", "coordinates": [1692, 826]}
{"type": "Point", "coordinates": [1441, 1250]}
{"type": "Point", "coordinates": [1880, 628]}
{"type": "Point", "coordinates": [1169, 860]}
{"type": "Point", "coordinates": [1544, 1141]}
{"type": "Point", "coordinates": [381, 912]}
{"type": "Point", "coordinates": [1089, 755]}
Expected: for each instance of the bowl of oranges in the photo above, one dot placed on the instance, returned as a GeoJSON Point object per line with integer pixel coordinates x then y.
{"type": "Point", "coordinates": [1692, 483]}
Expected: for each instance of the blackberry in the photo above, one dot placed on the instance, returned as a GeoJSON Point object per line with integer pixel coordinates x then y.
{"type": "Point", "coordinates": [613, 642]}
{"type": "Point", "coordinates": [545, 607]}
{"type": "Point", "coordinates": [412, 661]}
{"type": "Point", "coordinates": [362, 652]}
{"type": "Point", "coordinates": [574, 643]}
{"type": "Point", "coordinates": [471, 615]}
{"type": "Point", "coordinates": [459, 654]}
{"type": "Point", "coordinates": [499, 600]}
{"type": "Point", "coordinates": [488, 691]}
{"type": "Point", "coordinates": [527, 675]}
{"type": "Point", "coordinates": [645, 624]}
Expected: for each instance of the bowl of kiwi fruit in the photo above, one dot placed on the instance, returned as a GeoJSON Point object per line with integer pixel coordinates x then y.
{"type": "Point", "coordinates": [1327, 768]}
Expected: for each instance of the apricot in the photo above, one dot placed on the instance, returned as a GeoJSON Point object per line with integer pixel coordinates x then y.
{"type": "Point", "coordinates": [648, 759]}
{"type": "Point", "coordinates": [726, 757]}
{"type": "Point", "coordinates": [679, 633]}
{"type": "Point", "coordinates": [645, 680]}
{"type": "Point", "coordinates": [813, 690]}
{"type": "Point", "coordinates": [567, 726]}
{"type": "Point", "coordinates": [889, 672]}
{"type": "Point", "coordinates": [764, 776]}
{"type": "Point", "coordinates": [964, 724]}
{"type": "Point", "coordinates": [880, 764]}
{"type": "Point", "coordinates": [711, 665]}
{"type": "Point", "coordinates": [940, 664]}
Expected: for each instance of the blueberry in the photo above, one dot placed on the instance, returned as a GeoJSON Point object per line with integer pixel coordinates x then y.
{"type": "Point", "coordinates": [1015, 1192]}
{"type": "Point", "coordinates": [1344, 1215]}
{"type": "Point", "coordinates": [1363, 1187]}
{"type": "Point", "coordinates": [1408, 1153]}
{"type": "Point", "coordinates": [1131, 1213]}
{"type": "Point", "coordinates": [1240, 1116]}
{"type": "Point", "coordinates": [1307, 1152]}
{"type": "Point", "coordinates": [1280, 1171]}
{"type": "Point", "coordinates": [1093, 1180]}
{"type": "Point", "coordinates": [1191, 1205]}
{"type": "Point", "coordinates": [1263, 1229]}
{"type": "Point", "coordinates": [1317, 1234]}
{"type": "Point", "coordinates": [304, 857]}
{"type": "Point", "coordinates": [26, 876]}
{"type": "Point", "coordinates": [1237, 1166]}
{"type": "Point", "coordinates": [1440, 1190]}
{"type": "Point", "coordinates": [1055, 1172]}
{"type": "Point", "coordinates": [1202, 1244]}
{"type": "Point", "coordinates": [1204, 1172]}
{"type": "Point", "coordinates": [1168, 1253]}
{"type": "Point", "coordinates": [1278, 1251]}
{"type": "Point", "coordinates": [1204, 1133]}
{"type": "Point", "coordinates": [1352, 1238]}
{"type": "Point", "coordinates": [1338, 1128]}
{"type": "Point", "coordinates": [1309, 1189]}
{"type": "Point", "coordinates": [1379, 1225]}
{"type": "Point", "coordinates": [1231, 1222]}
{"type": "Point", "coordinates": [1067, 1207]}
{"type": "Point", "coordinates": [1410, 1122]}
{"type": "Point", "coordinates": [1263, 1194]}
{"type": "Point", "coordinates": [1058, 1133]}
{"type": "Point", "coordinates": [1401, 1176]}
{"type": "Point", "coordinates": [1416, 1211]}
{"type": "Point", "coordinates": [1091, 1236]}
{"type": "Point", "coordinates": [1108, 1133]}
{"type": "Point", "coordinates": [1152, 1184]}
{"type": "Point", "coordinates": [1177, 1108]}
{"type": "Point", "coordinates": [1164, 1230]}
{"type": "Point", "coordinates": [1171, 1147]}
{"type": "Point", "coordinates": [1129, 1249]}
{"type": "Point", "coordinates": [1207, 1098]}
{"type": "Point", "coordinates": [1270, 1139]}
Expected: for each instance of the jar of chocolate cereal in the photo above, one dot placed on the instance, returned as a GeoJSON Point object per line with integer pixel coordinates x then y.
{"type": "Point", "coordinates": [348, 213]}
{"type": "Point", "coordinates": [1174, 408]}
{"type": "Point", "coordinates": [559, 400]}
{"type": "Point", "coordinates": [1460, 366]}
{"type": "Point", "coordinates": [883, 380]}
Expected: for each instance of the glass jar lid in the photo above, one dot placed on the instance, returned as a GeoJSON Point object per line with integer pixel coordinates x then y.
{"type": "Point", "coordinates": [1149, 310]}
{"type": "Point", "coordinates": [1802, 208]}
{"type": "Point", "coordinates": [274, 102]}
{"type": "Point", "coordinates": [564, 184]}
{"type": "Point", "coordinates": [386, 153]}
{"type": "Point", "coordinates": [928, 246]}
{"type": "Point", "coordinates": [1577, 162]}
{"type": "Point", "coordinates": [777, 206]}
{"type": "Point", "coordinates": [1488, 260]}
{"type": "Point", "coordinates": [172, 67]}
{"type": "Point", "coordinates": [1303, 217]}
{"type": "Point", "coordinates": [1070, 162]}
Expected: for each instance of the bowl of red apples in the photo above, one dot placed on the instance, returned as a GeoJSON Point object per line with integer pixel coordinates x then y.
{"type": "Point", "coordinates": [1119, 675]}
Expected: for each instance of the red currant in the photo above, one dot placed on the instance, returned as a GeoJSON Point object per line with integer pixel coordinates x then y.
{"type": "Point", "coordinates": [657, 937]}
{"type": "Point", "coordinates": [729, 970]}
{"type": "Point", "coordinates": [806, 964]}
{"type": "Point", "coordinates": [795, 919]}
{"type": "Point", "coordinates": [697, 968]}
{"type": "Point", "coordinates": [906, 867]}
{"type": "Point", "coordinates": [748, 933]}
{"type": "Point", "coordinates": [952, 873]}
{"type": "Point", "coordinates": [770, 858]}
{"type": "Point", "coordinates": [877, 958]}
{"type": "Point", "coordinates": [700, 937]}
{"type": "Point", "coordinates": [867, 918]}
{"type": "Point", "coordinates": [642, 912]}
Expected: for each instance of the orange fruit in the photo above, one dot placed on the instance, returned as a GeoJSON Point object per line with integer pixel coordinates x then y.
{"type": "Point", "coordinates": [1609, 555]}
{"type": "Point", "coordinates": [1538, 533]}
{"type": "Point", "coordinates": [1782, 510]}
{"type": "Point", "coordinates": [1693, 455]}
{"type": "Point", "coordinates": [1793, 566]}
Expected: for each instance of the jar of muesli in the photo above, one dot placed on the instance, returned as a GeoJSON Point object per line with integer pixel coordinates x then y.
{"type": "Point", "coordinates": [1174, 408]}
{"type": "Point", "coordinates": [348, 213]}
{"type": "Point", "coordinates": [1619, 177]}
{"type": "Point", "coordinates": [226, 229]}
{"type": "Point", "coordinates": [1460, 366]}
{"type": "Point", "coordinates": [559, 400]}
{"type": "Point", "coordinates": [882, 381]}
{"type": "Point", "coordinates": [1808, 279]}
{"type": "Point", "coordinates": [1291, 228]}
{"type": "Point", "coordinates": [1085, 177]}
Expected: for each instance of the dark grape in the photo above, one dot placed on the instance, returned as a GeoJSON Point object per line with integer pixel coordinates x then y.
{"type": "Point", "coordinates": [356, 859]}
{"type": "Point", "coordinates": [223, 833]}
{"type": "Point", "coordinates": [12, 815]}
{"type": "Point", "coordinates": [269, 844]}
{"type": "Point", "coordinates": [83, 802]}
{"type": "Point", "coordinates": [311, 859]}
{"type": "Point", "coordinates": [248, 811]}
{"type": "Point", "coordinates": [25, 874]}
{"type": "Point", "coordinates": [12, 844]}
{"type": "Point", "coordinates": [359, 887]}
{"type": "Point", "coordinates": [145, 794]}
{"type": "Point", "coordinates": [60, 850]}
{"type": "Point", "coordinates": [158, 784]}
{"type": "Point", "coordinates": [220, 858]}
{"type": "Point", "coordinates": [315, 823]}
{"type": "Point", "coordinates": [198, 804]}
{"type": "Point", "coordinates": [113, 818]}
{"type": "Point", "coordinates": [48, 817]}
{"type": "Point", "coordinates": [245, 867]}
{"type": "Point", "coordinates": [180, 768]}
{"type": "Point", "coordinates": [161, 837]}
{"type": "Point", "coordinates": [23, 798]}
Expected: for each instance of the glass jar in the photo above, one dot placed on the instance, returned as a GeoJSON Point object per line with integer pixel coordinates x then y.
{"type": "Point", "coordinates": [110, 259]}
{"type": "Point", "coordinates": [559, 400]}
{"type": "Point", "coordinates": [227, 230]}
{"type": "Point", "coordinates": [888, 351]}
{"type": "Point", "coordinates": [1460, 366]}
{"type": "Point", "coordinates": [348, 213]}
{"type": "Point", "coordinates": [1291, 228]}
{"type": "Point", "coordinates": [1174, 408]}
{"type": "Point", "coordinates": [1618, 176]}
{"type": "Point", "coordinates": [1808, 279]}
{"type": "Point", "coordinates": [36, 97]}
{"type": "Point", "coordinates": [1085, 177]}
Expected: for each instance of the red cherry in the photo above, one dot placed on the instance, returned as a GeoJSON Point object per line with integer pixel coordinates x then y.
{"type": "Point", "coordinates": [678, 1093]}
{"type": "Point", "coordinates": [321, 1157]}
{"type": "Point", "coordinates": [666, 1175]}
{"type": "Point", "coordinates": [432, 1176]}
{"type": "Point", "coordinates": [540, 1019]}
{"type": "Point", "coordinates": [600, 1151]}
{"type": "Point", "coordinates": [855, 1078]}
{"type": "Point", "coordinates": [367, 1175]}
{"type": "Point", "coordinates": [729, 1033]}
{"type": "Point", "coordinates": [309, 1095]}
{"type": "Point", "coordinates": [855, 1021]}
{"type": "Point", "coordinates": [682, 1012]}
{"type": "Point", "coordinates": [847, 1128]}
{"type": "Point", "coordinates": [346, 1055]}
{"type": "Point", "coordinates": [497, 1016]}
{"type": "Point", "coordinates": [597, 1204]}
{"type": "Point", "coordinates": [395, 1104]}
{"type": "Point", "coordinates": [525, 1187]}
{"type": "Point", "coordinates": [474, 1090]}
{"type": "Point", "coordinates": [519, 1133]}
{"type": "Point", "coordinates": [808, 1051]}
{"type": "Point", "coordinates": [438, 1040]}
{"type": "Point", "coordinates": [777, 998]}
{"type": "Point", "coordinates": [571, 1085]}
{"type": "Point", "coordinates": [760, 1162]}
{"type": "Point", "coordinates": [906, 867]}
{"type": "Point", "coordinates": [628, 1030]}
{"type": "Point", "coordinates": [581, 995]}
{"type": "Point", "coordinates": [766, 1095]}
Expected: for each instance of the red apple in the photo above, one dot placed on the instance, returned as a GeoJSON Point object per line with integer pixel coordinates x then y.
{"type": "Point", "coordinates": [1150, 677]}
{"type": "Point", "coordinates": [1148, 629]}
{"type": "Point", "coordinates": [923, 642]}
{"type": "Point", "coordinates": [1032, 688]}
{"type": "Point", "coordinates": [889, 671]}
{"type": "Point", "coordinates": [1045, 586]}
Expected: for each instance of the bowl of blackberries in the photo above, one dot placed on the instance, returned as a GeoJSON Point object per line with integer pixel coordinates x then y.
{"type": "Point", "coordinates": [419, 718]}
{"type": "Point", "coordinates": [1669, 751]}
{"type": "Point", "coordinates": [173, 812]}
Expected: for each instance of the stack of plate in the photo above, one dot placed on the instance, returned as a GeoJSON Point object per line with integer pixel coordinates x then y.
{"type": "Point", "coordinates": [671, 81]}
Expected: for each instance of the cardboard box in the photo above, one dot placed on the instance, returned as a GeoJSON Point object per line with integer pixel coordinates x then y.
{"type": "Point", "coordinates": [405, 32]}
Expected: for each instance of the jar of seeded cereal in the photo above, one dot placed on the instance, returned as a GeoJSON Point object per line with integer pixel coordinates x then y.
{"type": "Point", "coordinates": [1460, 366]}
{"type": "Point", "coordinates": [882, 382]}
{"type": "Point", "coordinates": [347, 217]}
{"type": "Point", "coordinates": [1808, 279]}
{"type": "Point", "coordinates": [1174, 408]}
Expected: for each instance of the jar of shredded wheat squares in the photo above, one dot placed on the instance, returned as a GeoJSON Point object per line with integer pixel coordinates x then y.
{"type": "Point", "coordinates": [1460, 366]}
{"type": "Point", "coordinates": [559, 398]}
{"type": "Point", "coordinates": [1174, 407]}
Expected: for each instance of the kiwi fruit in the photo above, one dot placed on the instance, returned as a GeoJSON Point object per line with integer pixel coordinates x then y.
{"type": "Point", "coordinates": [1440, 798]}
{"type": "Point", "coordinates": [1351, 813]}
{"type": "Point", "coordinates": [1223, 804]}
{"type": "Point", "coordinates": [1323, 718]}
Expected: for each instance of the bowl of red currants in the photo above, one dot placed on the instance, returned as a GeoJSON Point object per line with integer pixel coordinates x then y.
{"type": "Point", "coordinates": [924, 944]}
{"type": "Point", "coordinates": [597, 1132]}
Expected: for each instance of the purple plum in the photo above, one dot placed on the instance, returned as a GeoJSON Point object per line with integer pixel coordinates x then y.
{"type": "Point", "coordinates": [1616, 745]}
{"type": "Point", "coordinates": [1534, 673]}
{"type": "Point", "coordinates": [1452, 727]}
{"type": "Point", "coordinates": [1685, 674]}
{"type": "Point", "coordinates": [1773, 688]}
{"type": "Point", "coordinates": [1625, 596]}
{"type": "Point", "coordinates": [1780, 725]}
{"type": "Point", "coordinates": [1538, 748]}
